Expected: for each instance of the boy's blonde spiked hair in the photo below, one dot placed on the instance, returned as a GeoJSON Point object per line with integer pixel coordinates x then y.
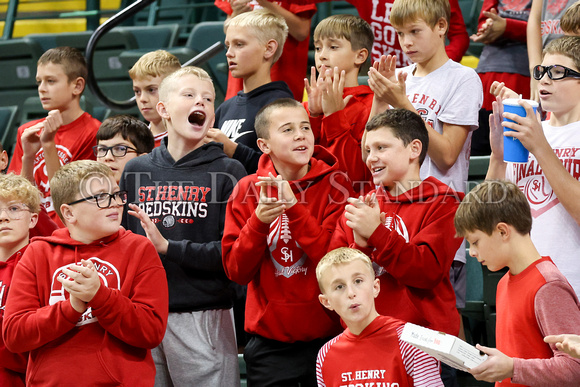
{"type": "Point", "coordinates": [159, 63]}
{"type": "Point", "coordinates": [340, 256]}
{"type": "Point", "coordinates": [265, 25]}
{"type": "Point", "coordinates": [431, 11]}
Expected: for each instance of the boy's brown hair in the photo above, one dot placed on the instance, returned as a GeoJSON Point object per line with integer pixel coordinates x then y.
{"type": "Point", "coordinates": [490, 203]}
{"type": "Point", "coordinates": [266, 25]}
{"type": "Point", "coordinates": [566, 45]}
{"type": "Point", "coordinates": [404, 125]}
{"type": "Point", "coordinates": [431, 11]}
{"type": "Point", "coordinates": [570, 21]}
{"type": "Point", "coordinates": [339, 256]}
{"type": "Point", "coordinates": [16, 187]}
{"type": "Point", "coordinates": [262, 121]}
{"type": "Point", "coordinates": [131, 129]}
{"type": "Point", "coordinates": [350, 27]}
{"type": "Point", "coordinates": [71, 59]}
{"type": "Point", "coordinates": [71, 180]}
{"type": "Point", "coordinates": [159, 63]}
{"type": "Point", "coordinates": [168, 82]}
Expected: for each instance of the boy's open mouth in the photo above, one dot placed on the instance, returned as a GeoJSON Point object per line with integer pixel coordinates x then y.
{"type": "Point", "coordinates": [197, 118]}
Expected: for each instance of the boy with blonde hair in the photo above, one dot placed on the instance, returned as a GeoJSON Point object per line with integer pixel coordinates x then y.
{"type": "Point", "coordinates": [291, 67]}
{"type": "Point", "coordinates": [279, 222]}
{"type": "Point", "coordinates": [66, 134]}
{"type": "Point", "coordinates": [178, 195]}
{"type": "Point", "coordinates": [255, 41]}
{"type": "Point", "coordinates": [371, 342]}
{"type": "Point", "coordinates": [533, 299]}
{"type": "Point", "coordinates": [337, 105]}
{"type": "Point", "coordinates": [92, 291]}
{"type": "Point", "coordinates": [19, 208]}
{"type": "Point", "coordinates": [147, 74]}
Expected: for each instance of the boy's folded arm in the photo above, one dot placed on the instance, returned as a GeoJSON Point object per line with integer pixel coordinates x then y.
{"type": "Point", "coordinates": [138, 320]}
{"type": "Point", "coordinates": [27, 324]}
{"type": "Point", "coordinates": [556, 312]}
{"type": "Point", "coordinates": [244, 245]}
{"type": "Point", "coordinates": [196, 256]}
{"type": "Point", "coordinates": [426, 259]}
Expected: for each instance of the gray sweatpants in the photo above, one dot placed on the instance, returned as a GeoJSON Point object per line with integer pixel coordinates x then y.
{"type": "Point", "coordinates": [199, 349]}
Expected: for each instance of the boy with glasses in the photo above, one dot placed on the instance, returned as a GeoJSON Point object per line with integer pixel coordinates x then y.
{"type": "Point", "coordinates": [19, 208]}
{"type": "Point", "coordinates": [91, 292]}
{"type": "Point", "coordinates": [120, 139]}
{"type": "Point", "coordinates": [550, 177]}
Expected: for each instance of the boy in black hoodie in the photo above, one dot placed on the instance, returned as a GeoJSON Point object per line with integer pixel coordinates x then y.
{"type": "Point", "coordinates": [178, 195]}
{"type": "Point", "coordinates": [255, 41]}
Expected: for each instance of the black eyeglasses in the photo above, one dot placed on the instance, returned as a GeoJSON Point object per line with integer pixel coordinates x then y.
{"type": "Point", "coordinates": [104, 199]}
{"type": "Point", "coordinates": [555, 72]}
{"type": "Point", "coordinates": [116, 150]}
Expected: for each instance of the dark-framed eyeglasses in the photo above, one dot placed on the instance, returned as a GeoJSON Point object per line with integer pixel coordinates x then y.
{"type": "Point", "coordinates": [15, 211]}
{"type": "Point", "coordinates": [555, 72]}
{"type": "Point", "coordinates": [116, 150]}
{"type": "Point", "coordinates": [104, 199]}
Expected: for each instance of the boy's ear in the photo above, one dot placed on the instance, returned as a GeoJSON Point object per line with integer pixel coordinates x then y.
{"type": "Point", "coordinates": [416, 147]}
{"type": "Point", "coordinates": [361, 57]}
{"type": "Point", "coordinates": [67, 214]}
{"type": "Point", "coordinates": [3, 160]}
{"type": "Point", "coordinates": [79, 85]}
{"type": "Point", "coordinates": [33, 220]}
{"type": "Point", "coordinates": [376, 287]}
{"type": "Point", "coordinates": [162, 110]}
{"type": "Point", "coordinates": [263, 145]}
{"type": "Point", "coordinates": [324, 301]}
{"type": "Point", "coordinates": [441, 26]}
{"type": "Point", "coordinates": [504, 230]}
{"type": "Point", "coordinates": [271, 47]}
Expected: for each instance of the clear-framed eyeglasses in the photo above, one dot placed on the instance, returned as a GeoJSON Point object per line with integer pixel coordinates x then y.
{"type": "Point", "coordinates": [14, 211]}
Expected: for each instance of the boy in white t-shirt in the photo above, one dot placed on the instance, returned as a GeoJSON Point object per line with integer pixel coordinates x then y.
{"type": "Point", "coordinates": [550, 177]}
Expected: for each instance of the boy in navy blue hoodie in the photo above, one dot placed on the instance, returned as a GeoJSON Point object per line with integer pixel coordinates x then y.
{"type": "Point", "coordinates": [178, 195]}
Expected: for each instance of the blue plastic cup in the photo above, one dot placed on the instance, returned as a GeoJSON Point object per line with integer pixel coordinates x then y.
{"type": "Point", "coordinates": [513, 150]}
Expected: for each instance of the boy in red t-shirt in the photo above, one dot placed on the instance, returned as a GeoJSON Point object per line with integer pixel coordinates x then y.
{"type": "Point", "coordinates": [66, 134]}
{"type": "Point", "coordinates": [372, 343]}
{"type": "Point", "coordinates": [533, 299]}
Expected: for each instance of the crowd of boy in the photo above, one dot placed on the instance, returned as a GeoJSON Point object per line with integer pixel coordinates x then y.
{"type": "Point", "coordinates": [348, 208]}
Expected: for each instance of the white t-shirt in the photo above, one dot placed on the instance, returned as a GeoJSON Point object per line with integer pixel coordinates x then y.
{"type": "Point", "coordinates": [451, 94]}
{"type": "Point", "coordinates": [554, 231]}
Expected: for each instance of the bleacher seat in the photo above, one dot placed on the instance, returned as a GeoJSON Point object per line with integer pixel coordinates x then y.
{"type": "Point", "coordinates": [153, 37]}
{"type": "Point", "coordinates": [8, 127]}
{"type": "Point", "coordinates": [472, 314]}
{"type": "Point", "coordinates": [18, 60]}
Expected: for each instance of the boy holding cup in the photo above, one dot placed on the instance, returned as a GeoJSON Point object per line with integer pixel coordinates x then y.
{"type": "Point", "coordinates": [550, 177]}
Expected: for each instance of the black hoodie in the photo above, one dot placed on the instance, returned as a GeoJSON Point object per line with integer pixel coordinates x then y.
{"type": "Point", "coordinates": [187, 201]}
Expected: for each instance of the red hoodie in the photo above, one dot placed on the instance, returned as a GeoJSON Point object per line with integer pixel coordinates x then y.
{"type": "Point", "coordinates": [413, 253]}
{"type": "Point", "coordinates": [108, 344]}
{"type": "Point", "coordinates": [12, 365]}
{"type": "Point", "coordinates": [341, 133]}
{"type": "Point", "coordinates": [278, 260]}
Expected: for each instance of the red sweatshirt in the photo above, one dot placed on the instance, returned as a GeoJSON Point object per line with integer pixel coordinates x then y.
{"type": "Point", "coordinates": [108, 344]}
{"type": "Point", "coordinates": [414, 251]}
{"type": "Point", "coordinates": [12, 365]}
{"type": "Point", "coordinates": [341, 133]}
{"type": "Point", "coordinates": [278, 260]}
